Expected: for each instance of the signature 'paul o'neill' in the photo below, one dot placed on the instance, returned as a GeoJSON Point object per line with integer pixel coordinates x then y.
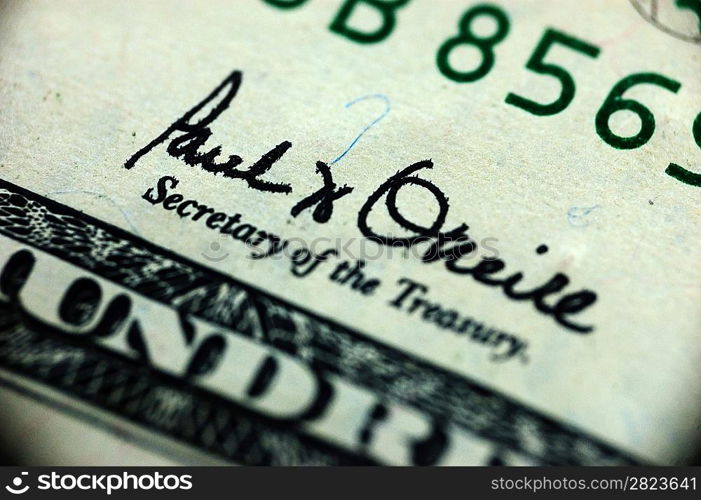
{"type": "Point", "coordinates": [186, 139]}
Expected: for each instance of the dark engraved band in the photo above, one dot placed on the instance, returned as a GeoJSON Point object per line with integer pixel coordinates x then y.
{"type": "Point", "coordinates": [220, 426]}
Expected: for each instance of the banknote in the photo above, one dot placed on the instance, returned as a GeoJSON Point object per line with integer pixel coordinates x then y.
{"type": "Point", "coordinates": [350, 232]}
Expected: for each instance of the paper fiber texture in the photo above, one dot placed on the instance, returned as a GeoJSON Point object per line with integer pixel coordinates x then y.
{"type": "Point", "coordinates": [340, 232]}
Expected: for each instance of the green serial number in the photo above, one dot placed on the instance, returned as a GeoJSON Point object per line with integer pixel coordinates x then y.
{"type": "Point", "coordinates": [614, 102]}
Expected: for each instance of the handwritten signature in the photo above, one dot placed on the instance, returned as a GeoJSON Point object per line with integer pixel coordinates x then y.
{"type": "Point", "coordinates": [188, 134]}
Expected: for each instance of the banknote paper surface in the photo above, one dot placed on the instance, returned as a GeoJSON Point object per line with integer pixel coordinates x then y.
{"type": "Point", "coordinates": [282, 232]}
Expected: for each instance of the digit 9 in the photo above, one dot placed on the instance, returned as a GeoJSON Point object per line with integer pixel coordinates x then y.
{"type": "Point", "coordinates": [682, 174]}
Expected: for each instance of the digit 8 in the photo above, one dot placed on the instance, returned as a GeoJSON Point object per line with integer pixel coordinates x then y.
{"type": "Point", "coordinates": [467, 37]}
